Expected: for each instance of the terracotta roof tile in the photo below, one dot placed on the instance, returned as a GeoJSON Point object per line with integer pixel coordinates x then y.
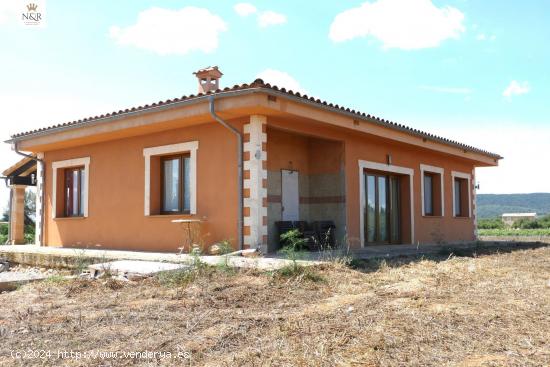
{"type": "Point", "coordinates": [259, 84]}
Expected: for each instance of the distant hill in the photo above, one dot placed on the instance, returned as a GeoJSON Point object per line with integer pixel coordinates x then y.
{"type": "Point", "coordinates": [494, 205]}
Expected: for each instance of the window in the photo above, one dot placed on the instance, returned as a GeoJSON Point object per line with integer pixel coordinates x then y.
{"type": "Point", "coordinates": [74, 192]}
{"type": "Point", "coordinates": [171, 179]}
{"type": "Point", "coordinates": [461, 194]}
{"type": "Point", "coordinates": [460, 197]}
{"type": "Point", "coordinates": [175, 184]}
{"type": "Point", "coordinates": [428, 194]}
{"type": "Point", "coordinates": [70, 182]}
{"type": "Point", "coordinates": [433, 203]}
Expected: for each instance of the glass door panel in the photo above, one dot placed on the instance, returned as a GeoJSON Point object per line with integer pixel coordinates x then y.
{"type": "Point", "coordinates": [395, 211]}
{"type": "Point", "coordinates": [371, 208]}
{"type": "Point", "coordinates": [382, 210]}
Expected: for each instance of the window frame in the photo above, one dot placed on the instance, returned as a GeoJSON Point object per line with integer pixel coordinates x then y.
{"type": "Point", "coordinates": [189, 148]}
{"type": "Point", "coordinates": [75, 162]}
{"type": "Point", "coordinates": [181, 186]}
{"type": "Point", "coordinates": [434, 172]}
{"type": "Point", "coordinates": [383, 167]}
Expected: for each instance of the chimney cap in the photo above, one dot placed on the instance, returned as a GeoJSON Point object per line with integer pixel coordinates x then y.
{"type": "Point", "coordinates": [210, 70]}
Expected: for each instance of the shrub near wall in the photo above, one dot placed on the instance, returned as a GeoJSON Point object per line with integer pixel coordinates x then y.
{"type": "Point", "coordinates": [29, 233]}
{"type": "Point", "coordinates": [3, 233]}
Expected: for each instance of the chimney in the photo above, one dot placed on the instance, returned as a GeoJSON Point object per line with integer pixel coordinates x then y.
{"type": "Point", "coordinates": [208, 78]}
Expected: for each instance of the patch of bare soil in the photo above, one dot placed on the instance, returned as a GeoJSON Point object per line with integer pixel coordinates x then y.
{"type": "Point", "coordinates": [492, 310]}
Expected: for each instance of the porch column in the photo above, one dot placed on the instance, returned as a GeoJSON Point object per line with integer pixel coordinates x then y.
{"type": "Point", "coordinates": [255, 183]}
{"type": "Point", "coordinates": [17, 215]}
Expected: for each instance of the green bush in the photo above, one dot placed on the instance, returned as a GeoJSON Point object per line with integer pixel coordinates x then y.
{"type": "Point", "coordinates": [495, 223]}
{"type": "Point", "coordinates": [539, 223]}
{"type": "Point", "coordinates": [3, 233]}
{"type": "Point", "coordinates": [293, 239]}
{"type": "Point", "coordinates": [544, 221]}
{"type": "Point", "coordinates": [29, 233]}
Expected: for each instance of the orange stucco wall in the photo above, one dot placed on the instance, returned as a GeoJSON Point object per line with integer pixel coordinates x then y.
{"type": "Point", "coordinates": [116, 191]}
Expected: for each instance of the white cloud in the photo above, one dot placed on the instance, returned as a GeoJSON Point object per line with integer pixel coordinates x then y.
{"type": "Point", "coordinates": [244, 9]}
{"type": "Point", "coordinates": [169, 32]}
{"type": "Point", "coordinates": [269, 17]}
{"type": "Point", "coordinates": [451, 90]}
{"type": "Point", "coordinates": [516, 88]}
{"type": "Point", "coordinates": [404, 24]}
{"type": "Point", "coordinates": [281, 80]}
{"type": "Point", "coordinates": [485, 37]}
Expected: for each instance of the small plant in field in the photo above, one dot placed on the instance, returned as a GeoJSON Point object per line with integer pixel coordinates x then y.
{"type": "Point", "coordinates": [294, 243]}
{"type": "Point", "coordinates": [196, 261]}
{"type": "Point", "coordinates": [293, 252]}
{"type": "Point", "coordinates": [293, 239]}
{"type": "Point", "coordinates": [338, 254]}
{"type": "Point", "coordinates": [81, 261]}
{"type": "Point", "coordinates": [225, 247]}
{"type": "Point", "coordinates": [176, 278]}
{"type": "Point", "coordinates": [224, 266]}
{"type": "Point", "coordinates": [55, 279]}
{"type": "Point", "coordinates": [181, 277]}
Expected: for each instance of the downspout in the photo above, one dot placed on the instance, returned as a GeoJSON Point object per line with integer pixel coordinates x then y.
{"type": "Point", "coordinates": [41, 163]}
{"type": "Point", "coordinates": [239, 167]}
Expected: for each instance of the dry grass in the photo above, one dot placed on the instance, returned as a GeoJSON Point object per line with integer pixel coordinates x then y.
{"type": "Point", "coordinates": [492, 310]}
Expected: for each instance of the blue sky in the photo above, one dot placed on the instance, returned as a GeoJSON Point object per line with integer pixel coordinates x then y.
{"type": "Point", "coordinates": [474, 71]}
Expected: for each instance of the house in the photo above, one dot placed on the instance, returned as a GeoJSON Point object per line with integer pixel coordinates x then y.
{"type": "Point", "coordinates": [510, 218]}
{"type": "Point", "coordinates": [241, 160]}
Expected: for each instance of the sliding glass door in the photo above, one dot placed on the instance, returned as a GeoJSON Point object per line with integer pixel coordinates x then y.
{"type": "Point", "coordinates": [382, 211]}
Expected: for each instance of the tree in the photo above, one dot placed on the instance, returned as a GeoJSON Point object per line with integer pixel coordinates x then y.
{"type": "Point", "coordinates": [30, 207]}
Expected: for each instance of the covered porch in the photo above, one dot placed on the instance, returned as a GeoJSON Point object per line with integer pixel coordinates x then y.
{"type": "Point", "coordinates": [19, 178]}
{"type": "Point", "coordinates": [305, 188]}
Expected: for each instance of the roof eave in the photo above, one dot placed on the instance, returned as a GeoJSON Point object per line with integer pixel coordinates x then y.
{"type": "Point", "coordinates": [316, 103]}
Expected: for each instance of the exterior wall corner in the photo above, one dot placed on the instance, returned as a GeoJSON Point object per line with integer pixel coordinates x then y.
{"type": "Point", "coordinates": [255, 192]}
